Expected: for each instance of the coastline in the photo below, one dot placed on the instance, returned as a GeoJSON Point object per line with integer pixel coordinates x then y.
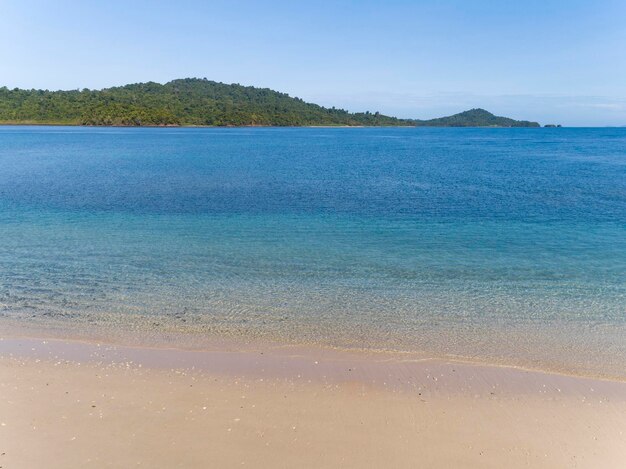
{"type": "Point", "coordinates": [198, 126]}
{"type": "Point", "coordinates": [142, 336]}
{"type": "Point", "coordinates": [80, 403]}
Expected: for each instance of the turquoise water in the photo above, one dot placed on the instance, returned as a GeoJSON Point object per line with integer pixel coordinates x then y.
{"type": "Point", "coordinates": [507, 245]}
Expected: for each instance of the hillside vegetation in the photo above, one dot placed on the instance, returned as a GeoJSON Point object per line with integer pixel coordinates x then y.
{"type": "Point", "coordinates": [476, 118]}
{"type": "Point", "coordinates": [201, 102]}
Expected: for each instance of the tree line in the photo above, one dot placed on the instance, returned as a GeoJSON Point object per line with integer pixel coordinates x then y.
{"type": "Point", "coordinates": [199, 102]}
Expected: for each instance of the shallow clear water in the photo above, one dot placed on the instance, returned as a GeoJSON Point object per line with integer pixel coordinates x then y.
{"type": "Point", "coordinates": [501, 244]}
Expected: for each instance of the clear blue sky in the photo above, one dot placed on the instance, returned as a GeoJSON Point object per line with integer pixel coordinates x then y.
{"type": "Point", "coordinates": [552, 61]}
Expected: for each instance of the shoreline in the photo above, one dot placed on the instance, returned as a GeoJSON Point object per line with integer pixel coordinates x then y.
{"type": "Point", "coordinates": [198, 126]}
{"type": "Point", "coordinates": [245, 358]}
{"type": "Point", "coordinates": [69, 404]}
{"type": "Point", "coordinates": [182, 341]}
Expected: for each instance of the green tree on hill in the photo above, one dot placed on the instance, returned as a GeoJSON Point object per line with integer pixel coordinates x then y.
{"type": "Point", "coordinates": [194, 101]}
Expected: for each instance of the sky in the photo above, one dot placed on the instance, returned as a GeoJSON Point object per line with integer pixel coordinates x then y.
{"type": "Point", "coordinates": [553, 61]}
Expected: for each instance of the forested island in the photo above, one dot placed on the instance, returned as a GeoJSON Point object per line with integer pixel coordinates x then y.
{"type": "Point", "coordinates": [201, 102]}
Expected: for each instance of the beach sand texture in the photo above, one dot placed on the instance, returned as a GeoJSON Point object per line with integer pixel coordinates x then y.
{"type": "Point", "coordinates": [74, 405]}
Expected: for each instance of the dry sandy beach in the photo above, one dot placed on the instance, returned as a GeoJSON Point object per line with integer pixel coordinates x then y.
{"type": "Point", "coordinates": [68, 404]}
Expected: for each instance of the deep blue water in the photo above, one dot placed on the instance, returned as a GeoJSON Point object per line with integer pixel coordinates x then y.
{"type": "Point", "coordinates": [505, 244]}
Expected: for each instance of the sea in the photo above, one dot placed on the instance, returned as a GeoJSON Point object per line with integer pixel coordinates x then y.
{"type": "Point", "coordinates": [501, 245]}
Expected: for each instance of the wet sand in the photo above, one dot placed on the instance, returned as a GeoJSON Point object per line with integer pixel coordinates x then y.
{"type": "Point", "coordinates": [68, 404]}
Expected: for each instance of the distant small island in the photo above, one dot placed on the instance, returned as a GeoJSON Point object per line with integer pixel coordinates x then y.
{"type": "Point", "coordinates": [201, 102]}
